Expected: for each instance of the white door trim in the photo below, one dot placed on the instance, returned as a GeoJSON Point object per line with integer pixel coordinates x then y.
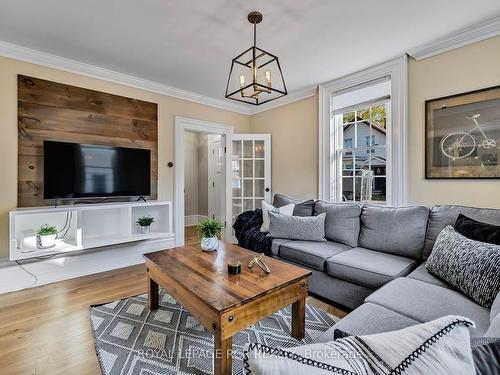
{"type": "Point", "coordinates": [183, 124]}
{"type": "Point", "coordinates": [397, 70]}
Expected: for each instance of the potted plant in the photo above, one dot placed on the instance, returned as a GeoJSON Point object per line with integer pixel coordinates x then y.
{"type": "Point", "coordinates": [46, 236]}
{"type": "Point", "coordinates": [144, 223]}
{"type": "Point", "coordinates": [209, 231]}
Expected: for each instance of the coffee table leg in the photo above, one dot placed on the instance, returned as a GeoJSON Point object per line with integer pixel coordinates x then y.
{"type": "Point", "coordinates": [152, 294]}
{"type": "Point", "coordinates": [299, 319]}
{"type": "Point", "coordinates": [223, 356]}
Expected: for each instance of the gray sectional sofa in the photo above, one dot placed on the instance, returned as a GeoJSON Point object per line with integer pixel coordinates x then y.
{"type": "Point", "coordinates": [374, 262]}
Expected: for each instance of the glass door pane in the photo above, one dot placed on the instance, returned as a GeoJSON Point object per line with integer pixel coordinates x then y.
{"type": "Point", "coordinates": [250, 173]}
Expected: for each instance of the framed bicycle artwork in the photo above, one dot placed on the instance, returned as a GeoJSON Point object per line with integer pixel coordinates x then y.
{"type": "Point", "coordinates": [463, 135]}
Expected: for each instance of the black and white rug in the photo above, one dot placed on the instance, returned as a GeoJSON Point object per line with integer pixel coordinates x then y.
{"type": "Point", "coordinates": [129, 339]}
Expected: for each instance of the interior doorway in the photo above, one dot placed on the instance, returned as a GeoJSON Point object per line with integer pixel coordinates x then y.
{"type": "Point", "coordinates": [197, 164]}
{"type": "Point", "coordinates": [192, 137]}
{"type": "Point", "coordinates": [241, 167]}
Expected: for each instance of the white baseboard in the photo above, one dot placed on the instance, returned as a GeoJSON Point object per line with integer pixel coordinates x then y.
{"type": "Point", "coordinates": [193, 219]}
{"type": "Point", "coordinates": [13, 278]}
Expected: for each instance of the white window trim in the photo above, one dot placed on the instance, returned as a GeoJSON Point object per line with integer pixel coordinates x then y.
{"type": "Point", "coordinates": [397, 165]}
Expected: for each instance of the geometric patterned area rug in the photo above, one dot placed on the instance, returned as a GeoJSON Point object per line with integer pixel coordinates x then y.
{"type": "Point", "coordinates": [129, 339]}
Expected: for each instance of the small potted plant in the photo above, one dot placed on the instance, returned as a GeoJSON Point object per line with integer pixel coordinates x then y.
{"type": "Point", "coordinates": [209, 231]}
{"type": "Point", "coordinates": [144, 223]}
{"type": "Point", "coordinates": [46, 236]}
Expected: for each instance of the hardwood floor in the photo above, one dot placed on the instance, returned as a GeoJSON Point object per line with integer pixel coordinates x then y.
{"type": "Point", "coordinates": [46, 330]}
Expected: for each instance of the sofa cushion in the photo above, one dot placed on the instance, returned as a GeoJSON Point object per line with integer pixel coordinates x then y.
{"type": "Point", "coordinates": [473, 267]}
{"type": "Point", "coordinates": [369, 319]}
{"type": "Point", "coordinates": [442, 216]}
{"type": "Point", "coordinates": [495, 308]}
{"type": "Point", "coordinates": [307, 228]}
{"type": "Point", "coordinates": [368, 267]}
{"type": "Point", "coordinates": [438, 347]}
{"type": "Point", "coordinates": [494, 328]}
{"type": "Point", "coordinates": [424, 302]}
{"type": "Point", "coordinates": [394, 230]}
{"type": "Point", "coordinates": [276, 244]}
{"type": "Point", "coordinates": [266, 208]}
{"type": "Point", "coordinates": [304, 208]}
{"type": "Point", "coordinates": [312, 254]}
{"type": "Point", "coordinates": [421, 273]}
{"type": "Point", "coordinates": [477, 230]}
{"type": "Point", "coordinates": [342, 221]}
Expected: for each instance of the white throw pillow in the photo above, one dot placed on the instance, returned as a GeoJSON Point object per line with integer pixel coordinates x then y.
{"type": "Point", "coordinates": [440, 347]}
{"type": "Point", "coordinates": [266, 207]}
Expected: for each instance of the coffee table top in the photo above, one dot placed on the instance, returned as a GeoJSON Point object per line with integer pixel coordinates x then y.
{"type": "Point", "coordinates": [205, 273]}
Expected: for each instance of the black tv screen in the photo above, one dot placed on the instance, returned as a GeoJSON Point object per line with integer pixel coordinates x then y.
{"type": "Point", "coordinates": [73, 170]}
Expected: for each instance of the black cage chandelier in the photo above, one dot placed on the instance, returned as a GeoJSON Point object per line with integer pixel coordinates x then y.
{"type": "Point", "coordinates": [255, 76]}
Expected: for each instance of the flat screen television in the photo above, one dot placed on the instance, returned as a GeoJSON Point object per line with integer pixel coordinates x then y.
{"type": "Point", "coordinates": [74, 170]}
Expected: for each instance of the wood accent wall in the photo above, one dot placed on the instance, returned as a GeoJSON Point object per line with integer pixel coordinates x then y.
{"type": "Point", "coordinates": [58, 112]}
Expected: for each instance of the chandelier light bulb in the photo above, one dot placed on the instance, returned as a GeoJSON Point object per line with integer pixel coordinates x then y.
{"type": "Point", "coordinates": [268, 78]}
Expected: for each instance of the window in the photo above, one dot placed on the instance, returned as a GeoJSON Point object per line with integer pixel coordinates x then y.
{"type": "Point", "coordinates": [369, 140]}
{"type": "Point", "coordinates": [371, 105]}
{"type": "Point", "coordinates": [363, 162]}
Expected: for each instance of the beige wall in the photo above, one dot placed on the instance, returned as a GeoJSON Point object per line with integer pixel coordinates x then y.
{"type": "Point", "coordinates": [295, 129]}
{"type": "Point", "coordinates": [168, 108]}
{"type": "Point", "coordinates": [294, 146]}
{"type": "Point", "coordinates": [465, 69]}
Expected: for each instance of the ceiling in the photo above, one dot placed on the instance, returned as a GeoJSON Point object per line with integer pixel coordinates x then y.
{"type": "Point", "coordinates": [189, 44]}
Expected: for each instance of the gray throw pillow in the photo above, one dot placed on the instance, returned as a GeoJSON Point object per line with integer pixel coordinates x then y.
{"type": "Point", "coordinates": [470, 266]}
{"type": "Point", "coordinates": [304, 208]}
{"type": "Point", "coordinates": [310, 228]}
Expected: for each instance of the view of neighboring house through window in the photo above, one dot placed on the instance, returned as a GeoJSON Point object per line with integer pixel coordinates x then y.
{"type": "Point", "coordinates": [362, 154]}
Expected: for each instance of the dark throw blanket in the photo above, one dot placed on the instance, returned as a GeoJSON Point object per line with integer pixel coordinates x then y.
{"type": "Point", "coordinates": [247, 231]}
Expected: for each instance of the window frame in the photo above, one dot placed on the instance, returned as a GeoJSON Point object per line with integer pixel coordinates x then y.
{"type": "Point", "coordinates": [397, 144]}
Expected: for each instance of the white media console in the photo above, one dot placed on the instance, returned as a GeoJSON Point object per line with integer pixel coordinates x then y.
{"type": "Point", "coordinates": [88, 226]}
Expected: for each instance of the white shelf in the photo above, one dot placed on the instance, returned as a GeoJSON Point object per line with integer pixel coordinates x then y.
{"type": "Point", "coordinates": [91, 226]}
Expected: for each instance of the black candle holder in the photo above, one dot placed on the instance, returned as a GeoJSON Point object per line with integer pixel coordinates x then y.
{"type": "Point", "coordinates": [234, 268]}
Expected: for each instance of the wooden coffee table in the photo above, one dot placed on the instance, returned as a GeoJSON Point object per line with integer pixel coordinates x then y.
{"type": "Point", "coordinates": [226, 304]}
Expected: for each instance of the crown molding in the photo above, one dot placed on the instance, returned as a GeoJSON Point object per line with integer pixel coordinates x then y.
{"type": "Point", "coordinates": [461, 38]}
{"type": "Point", "coordinates": [29, 55]}
{"type": "Point", "coordinates": [290, 98]}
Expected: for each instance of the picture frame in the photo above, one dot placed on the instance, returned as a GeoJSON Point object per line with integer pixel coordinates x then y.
{"type": "Point", "coordinates": [462, 135]}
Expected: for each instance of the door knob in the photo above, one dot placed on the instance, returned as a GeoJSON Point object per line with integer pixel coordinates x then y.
{"type": "Point", "coordinates": [267, 190]}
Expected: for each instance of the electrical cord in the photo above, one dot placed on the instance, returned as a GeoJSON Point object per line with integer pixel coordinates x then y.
{"type": "Point", "coordinates": [68, 223]}
{"type": "Point", "coordinates": [65, 223]}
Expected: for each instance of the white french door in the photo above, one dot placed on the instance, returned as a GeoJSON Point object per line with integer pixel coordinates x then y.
{"type": "Point", "coordinates": [248, 176]}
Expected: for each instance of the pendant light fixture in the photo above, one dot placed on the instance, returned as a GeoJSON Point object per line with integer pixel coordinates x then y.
{"type": "Point", "coordinates": [255, 76]}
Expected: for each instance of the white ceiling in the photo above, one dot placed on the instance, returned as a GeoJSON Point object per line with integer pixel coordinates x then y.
{"type": "Point", "coordinates": [189, 44]}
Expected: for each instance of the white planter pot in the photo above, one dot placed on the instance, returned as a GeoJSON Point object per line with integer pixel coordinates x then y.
{"type": "Point", "coordinates": [209, 243]}
{"type": "Point", "coordinates": [145, 229]}
{"type": "Point", "coordinates": [47, 241]}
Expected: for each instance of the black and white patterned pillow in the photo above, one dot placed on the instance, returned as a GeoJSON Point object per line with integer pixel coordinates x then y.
{"type": "Point", "coordinates": [470, 266]}
{"type": "Point", "coordinates": [440, 347]}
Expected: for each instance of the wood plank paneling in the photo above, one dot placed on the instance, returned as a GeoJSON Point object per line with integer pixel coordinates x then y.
{"type": "Point", "coordinates": [58, 112]}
